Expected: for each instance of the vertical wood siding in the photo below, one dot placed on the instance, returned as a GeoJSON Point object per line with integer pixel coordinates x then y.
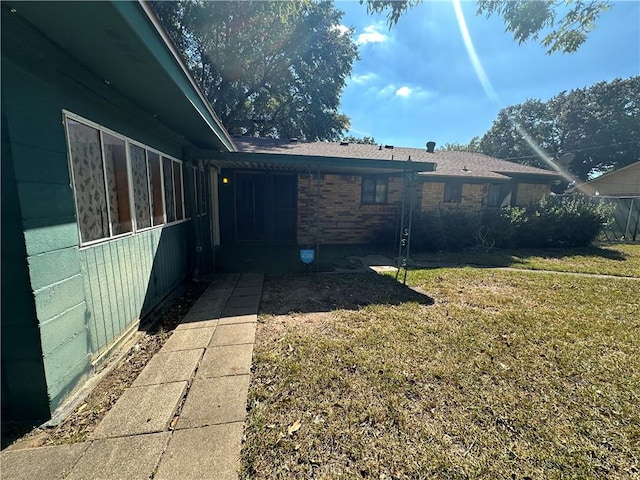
{"type": "Point", "coordinates": [125, 278]}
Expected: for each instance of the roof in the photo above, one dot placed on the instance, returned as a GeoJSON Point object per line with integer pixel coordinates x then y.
{"type": "Point", "coordinates": [451, 164]}
{"type": "Point", "coordinates": [622, 182]}
{"type": "Point", "coordinates": [124, 44]}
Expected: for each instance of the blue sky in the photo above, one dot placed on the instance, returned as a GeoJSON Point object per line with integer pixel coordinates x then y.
{"type": "Point", "coordinates": [416, 83]}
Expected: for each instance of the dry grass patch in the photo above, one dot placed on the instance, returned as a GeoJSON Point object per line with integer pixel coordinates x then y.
{"type": "Point", "coordinates": [507, 375]}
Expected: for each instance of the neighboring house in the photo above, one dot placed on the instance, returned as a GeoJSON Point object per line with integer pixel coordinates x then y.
{"type": "Point", "coordinates": [622, 189]}
{"type": "Point", "coordinates": [624, 182]}
{"type": "Point", "coordinates": [103, 202]}
{"type": "Point", "coordinates": [265, 199]}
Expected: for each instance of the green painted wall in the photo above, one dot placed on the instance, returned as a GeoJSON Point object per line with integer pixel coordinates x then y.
{"type": "Point", "coordinates": [125, 278]}
{"type": "Point", "coordinates": [21, 352]}
{"type": "Point", "coordinates": [75, 301]}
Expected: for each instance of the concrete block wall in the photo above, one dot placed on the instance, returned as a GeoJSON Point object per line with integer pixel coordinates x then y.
{"type": "Point", "coordinates": [343, 217]}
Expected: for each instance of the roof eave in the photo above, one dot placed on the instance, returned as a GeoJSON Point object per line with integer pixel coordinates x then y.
{"type": "Point", "coordinates": [317, 163]}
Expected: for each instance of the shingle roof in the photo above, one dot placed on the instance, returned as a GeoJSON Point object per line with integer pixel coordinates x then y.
{"type": "Point", "coordinates": [449, 163]}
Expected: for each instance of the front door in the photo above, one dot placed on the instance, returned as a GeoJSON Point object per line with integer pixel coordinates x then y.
{"type": "Point", "coordinates": [265, 207]}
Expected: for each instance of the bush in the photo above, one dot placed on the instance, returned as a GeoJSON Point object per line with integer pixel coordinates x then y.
{"type": "Point", "coordinates": [556, 221]}
{"type": "Point", "coordinates": [560, 221]}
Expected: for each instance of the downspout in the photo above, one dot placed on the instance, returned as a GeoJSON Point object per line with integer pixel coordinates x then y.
{"type": "Point", "coordinates": [198, 227]}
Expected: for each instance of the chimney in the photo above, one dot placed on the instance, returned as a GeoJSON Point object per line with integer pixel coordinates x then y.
{"type": "Point", "coordinates": [431, 146]}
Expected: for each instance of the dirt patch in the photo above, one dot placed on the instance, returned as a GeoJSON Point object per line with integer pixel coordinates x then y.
{"type": "Point", "coordinates": [78, 426]}
{"type": "Point", "coordinates": [282, 295]}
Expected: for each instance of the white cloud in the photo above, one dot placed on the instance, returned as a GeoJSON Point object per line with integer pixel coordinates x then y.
{"type": "Point", "coordinates": [371, 34]}
{"type": "Point", "coordinates": [364, 78]}
{"type": "Point", "coordinates": [388, 90]}
{"type": "Point", "coordinates": [404, 91]}
{"type": "Point", "coordinates": [343, 29]}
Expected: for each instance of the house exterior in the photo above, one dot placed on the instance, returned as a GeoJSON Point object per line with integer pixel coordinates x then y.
{"type": "Point", "coordinates": [352, 204]}
{"type": "Point", "coordinates": [105, 209]}
{"type": "Point", "coordinates": [119, 181]}
{"type": "Point", "coordinates": [624, 182]}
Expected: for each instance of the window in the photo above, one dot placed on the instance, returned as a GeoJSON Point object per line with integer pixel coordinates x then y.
{"type": "Point", "coordinates": [155, 184]}
{"type": "Point", "coordinates": [140, 177]}
{"type": "Point", "coordinates": [452, 192]}
{"type": "Point", "coordinates": [499, 194]}
{"type": "Point", "coordinates": [374, 190]}
{"type": "Point", "coordinates": [120, 186]}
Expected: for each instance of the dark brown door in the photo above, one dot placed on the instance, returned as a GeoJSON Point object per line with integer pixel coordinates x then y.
{"type": "Point", "coordinates": [265, 207]}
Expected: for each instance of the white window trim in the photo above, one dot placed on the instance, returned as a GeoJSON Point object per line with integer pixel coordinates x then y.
{"type": "Point", "coordinates": [127, 141]}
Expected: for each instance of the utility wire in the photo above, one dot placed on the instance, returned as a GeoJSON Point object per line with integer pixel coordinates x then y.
{"type": "Point", "coordinates": [579, 149]}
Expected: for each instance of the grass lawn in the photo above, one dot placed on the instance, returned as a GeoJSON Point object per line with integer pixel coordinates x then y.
{"type": "Point", "coordinates": [479, 374]}
{"type": "Point", "coordinates": [621, 260]}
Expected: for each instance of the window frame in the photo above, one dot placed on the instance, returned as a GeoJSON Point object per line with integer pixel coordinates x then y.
{"type": "Point", "coordinates": [67, 115]}
{"type": "Point", "coordinates": [377, 180]}
{"type": "Point", "coordinates": [449, 191]}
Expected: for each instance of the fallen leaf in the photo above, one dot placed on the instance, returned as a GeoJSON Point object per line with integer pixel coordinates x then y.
{"type": "Point", "coordinates": [294, 427]}
{"type": "Point", "coordinates": [82, 407]}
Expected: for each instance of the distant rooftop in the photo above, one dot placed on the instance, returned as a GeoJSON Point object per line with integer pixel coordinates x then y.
{"type": "Point", "coordinates": [449, 163]}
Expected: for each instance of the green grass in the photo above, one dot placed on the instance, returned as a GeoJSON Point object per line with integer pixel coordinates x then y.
{"type": "Point", "coordinates": [507, 375]}
{"type": "Point", "coordinates": [619, 260]}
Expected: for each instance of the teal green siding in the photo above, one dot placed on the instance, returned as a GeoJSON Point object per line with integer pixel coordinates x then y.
{"type": "Point", "coordinates": [67, 304]}
{"type": "Point", "coordinates": [126, 277]}
{"type": "Point", "coordinates": [21, 352]}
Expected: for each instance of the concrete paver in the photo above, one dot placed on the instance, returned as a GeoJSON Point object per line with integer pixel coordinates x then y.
{"type": "Point", "coordinates": [238, 319]}
{"type": "Point", "coordinates": [188, 339]}
{"type": "Point", "coordinates": [51, 463]}
{"type": "Point", "coordinates": [215, 400]}
{"type": "Point", "coordinates": [250, 280]}
{"type": "Point", "coordinates": [139, 410]}
{"type": "Point", "coordinates": [211, 452]}
{"type": "Point", "coordinates": [247, 291]}
{"type": "Point", "coordinates": [238, 302]}
{"type": "Point", "coordinates": [215, 339]}
{"type": "Point", "coordinates": [226, 360]}
{"type": "Point", "coordinates": [132, 458]}
{"type": "Point", "coordinates": [169, 367]}
{"type": "Point", "coordinates": [238, 311]}
{"type": "Point", "coordinates": [199, 320]}
{"type": "Point", "coordinates": [235, 334]}
{"type": "Point", "coordinates": [211, 304]}
{"type": "Point", "coordinates": [224, 280]}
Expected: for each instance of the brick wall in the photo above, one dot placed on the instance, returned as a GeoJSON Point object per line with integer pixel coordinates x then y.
{"type": "Point", "coordinates": [529, 193]}
{"type": "Point", "coordinates": [343, 218]}
{"type": "Point", "coordinates": [473, 197]}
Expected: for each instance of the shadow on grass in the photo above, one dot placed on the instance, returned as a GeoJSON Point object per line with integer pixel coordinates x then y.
{"type": "Point", "coordinates": [324, 293]}
{"type": "Point", "coordinates": [514, 257]}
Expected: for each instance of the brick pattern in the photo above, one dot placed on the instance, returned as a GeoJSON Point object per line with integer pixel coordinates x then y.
{"type": "Point", "coordinates": [529, 193]}
{"type": "Point", "coordinates": [474, 197]}
{"type": "Point", "coordinates": [343, 218]}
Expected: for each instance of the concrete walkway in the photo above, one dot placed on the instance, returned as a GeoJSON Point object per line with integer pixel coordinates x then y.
{"type": "Point", "coordinates": [183, 417]}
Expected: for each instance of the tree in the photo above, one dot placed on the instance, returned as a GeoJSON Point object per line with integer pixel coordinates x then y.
{"type": "Point", "coordinates": [472, 146]}
{"type": "Point", "coordinates": [362, 140]}
{"type": "Point", "coordinates": [599, 125]}
{"type": "Point", "coordinates": [271, 69]}
{"type": "Point", "coordinates": [565, 24]}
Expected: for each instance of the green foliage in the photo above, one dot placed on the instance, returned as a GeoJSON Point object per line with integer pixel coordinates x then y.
{"type": "Point", "coordinates": [555, 222]}
{"type": "Point", "coordinates": [527, 20]}
{"type": "Point", "coordinates": [599, 124]}
{"type": "Point", "coordinates": [560, 221]}
{"type": "Point", "coordinates": [564, 24]}
{"type": "Point", "coordinates": [366, 140]}
{"type": "Point", "coordinates": [271, 69]}
{"type": "Point", "coordinates": [472, 146]}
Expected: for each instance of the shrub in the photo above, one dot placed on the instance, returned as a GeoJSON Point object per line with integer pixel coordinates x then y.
{"type": "Point", "coordinates": [561, 221]}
